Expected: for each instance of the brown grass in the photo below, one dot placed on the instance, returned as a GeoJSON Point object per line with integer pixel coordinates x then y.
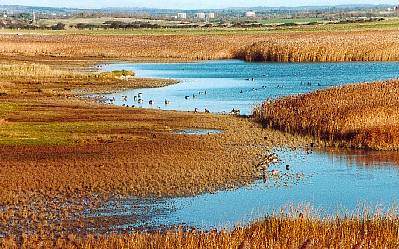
{"type": "Point", "coordinates": [325, 47]}
{"type": "Point", "coordinates": [124, 47]}
{"type": "Point", "coordinates": [55, 148]}
{"type": "Point", "coordinates": [358, 116]}
{"type": "Point", "coordinates": [273, 232]}
{"type": "Point", "coordinates": [27, 79]}
{"type": "Point", "coordinates": [279, 47]}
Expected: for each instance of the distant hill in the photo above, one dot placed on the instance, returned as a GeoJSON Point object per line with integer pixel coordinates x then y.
{"type": "Point", "coordinates": [52, 10]}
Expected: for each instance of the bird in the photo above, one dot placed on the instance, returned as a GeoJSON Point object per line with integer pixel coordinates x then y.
{"type": "Point", "coordinates": [275, 172]}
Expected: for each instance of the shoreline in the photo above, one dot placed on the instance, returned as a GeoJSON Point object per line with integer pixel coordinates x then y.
{"type": "Point", "coordinates": [90, 152]}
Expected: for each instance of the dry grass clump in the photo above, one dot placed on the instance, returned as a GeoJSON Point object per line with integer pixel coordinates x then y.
{"type": "Point", "coordinates": [273, 232]}
{"type": "Point", "coordinates": [326, 47]}
{"type": "Point", "coordinates": [25, 79]}
{"type": "Point", "coordinates": [359, 115]}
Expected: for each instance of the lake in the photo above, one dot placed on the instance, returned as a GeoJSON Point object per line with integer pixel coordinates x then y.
{"type": "Point", "coordinates": [333, 182]}
{"type": "Point", "coordinates": [228, 84]}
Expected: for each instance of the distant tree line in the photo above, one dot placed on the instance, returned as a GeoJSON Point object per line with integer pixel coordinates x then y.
{"type": "Point", "coordinates": [9, 23]}
{"type": "Point", "coordinates": [24, 23]}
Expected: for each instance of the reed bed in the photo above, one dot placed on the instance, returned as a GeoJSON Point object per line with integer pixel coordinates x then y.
{"type": "Point", "coordinates": [358, 116]}
{"type": "Point", "coordinates": [137, 47]}
{"type": "Point", "coordinates": [277, 47]}
{"type": "Point", "coordinates": [325, 47]}
{"type": "Point", "coordinates": [273, 232]}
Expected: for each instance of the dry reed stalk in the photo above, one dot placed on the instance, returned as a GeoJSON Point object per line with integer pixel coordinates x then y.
{"type": "Point", "coordinates": [358, 115]}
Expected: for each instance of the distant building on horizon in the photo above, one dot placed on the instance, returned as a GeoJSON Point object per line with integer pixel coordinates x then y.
{"type": "Point", "coordinates": [396, 9]}
{"type": "Point", "coordinates": [182, 15]}
{"type": "Point", "coordinates": [250, 14]}
{"type": "Point", "coordinates": [200, 15]}
{"type": "Point", "coordinates": [211, 15]}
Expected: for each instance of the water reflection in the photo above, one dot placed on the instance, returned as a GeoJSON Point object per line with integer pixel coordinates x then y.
{"type": "Point", "coordinates": [365, 158]}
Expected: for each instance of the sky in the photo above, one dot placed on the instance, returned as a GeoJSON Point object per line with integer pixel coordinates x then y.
{"type": "Point", "coordinates": [187, 4]}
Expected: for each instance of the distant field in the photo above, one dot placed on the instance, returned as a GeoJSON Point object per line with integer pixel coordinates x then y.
{"type": "Point", "coordinates": [290, 20]}
{"type": "Point", "coordinates": [388, 24]}
{"type": "Point", "coordinates": [99, 20]}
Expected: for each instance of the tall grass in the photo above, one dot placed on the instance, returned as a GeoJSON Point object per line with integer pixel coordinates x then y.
{"type": "Point", "coordinates": [279, 47]}
{"type": "Point", "coordinates": [274, 232]}
{"type": "Point", "coordinates": [325, 47]}
{"type": "Point", "coordinates": [138, 47]}
{"type": "Point", "coordinates": [358, 115]}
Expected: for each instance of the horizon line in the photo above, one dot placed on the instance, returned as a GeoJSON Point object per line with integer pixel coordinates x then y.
{"type": "Point", "coordinates": [224, 8]}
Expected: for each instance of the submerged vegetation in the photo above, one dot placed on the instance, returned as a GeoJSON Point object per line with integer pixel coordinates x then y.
{"type": "Point", "coordinates": [357, 116]}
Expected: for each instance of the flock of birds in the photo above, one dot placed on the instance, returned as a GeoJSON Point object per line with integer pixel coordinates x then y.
{"type": "Point", "coordinates": [138, 99]}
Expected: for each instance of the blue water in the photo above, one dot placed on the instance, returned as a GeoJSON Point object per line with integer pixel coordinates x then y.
{"type": "Point", "coordinates": [227, 86]}
{"type": "Point", "coordinates": [340, 182]}
{"type": "Point", "coordinates": [198, 132]}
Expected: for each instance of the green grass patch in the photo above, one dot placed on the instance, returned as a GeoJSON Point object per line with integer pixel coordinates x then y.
{"type": "Point", "coordinates": [387, 24]}
{"type": "Point", "coordinates": [6, 108]}
{"type": "Point", "coordinates": [117, 73]}
{"type": "Point", "coordinates": [290, 20]}
{"type": "Point", "coordinates": [68, 133]}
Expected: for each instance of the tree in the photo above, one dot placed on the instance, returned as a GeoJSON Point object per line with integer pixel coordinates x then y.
{"type": "Point", "coordinates": [58, 26]}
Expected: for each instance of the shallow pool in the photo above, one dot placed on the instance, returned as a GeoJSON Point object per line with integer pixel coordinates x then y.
{"type": "Point", "coordinates": [199, 132]}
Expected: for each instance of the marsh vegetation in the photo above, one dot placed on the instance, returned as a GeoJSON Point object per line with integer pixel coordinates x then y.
{"type": "Point", "coordinates": [75, 154]}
